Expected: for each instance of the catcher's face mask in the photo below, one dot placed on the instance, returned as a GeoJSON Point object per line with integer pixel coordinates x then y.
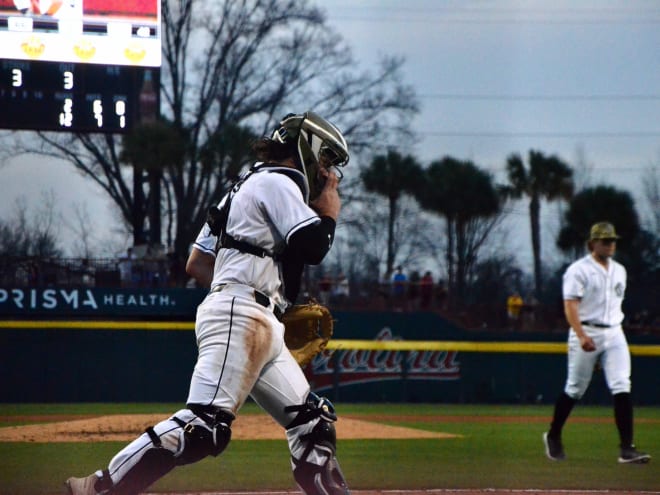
{"type": "Point", "coordinates": [319, 144]}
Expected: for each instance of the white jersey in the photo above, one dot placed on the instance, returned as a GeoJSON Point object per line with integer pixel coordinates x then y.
{"type": "Point", "coordinates": [599, 290]}
{"type": "Point", "coordinates": [267, 209]}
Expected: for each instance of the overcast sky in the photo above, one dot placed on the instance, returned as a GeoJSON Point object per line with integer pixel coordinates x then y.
{"type": "Point", "coordinates": [579, 79]}
{"type": "Point", "coordinates": [497, 77]}
{"type": "Point", "coordinates": [493, 78]}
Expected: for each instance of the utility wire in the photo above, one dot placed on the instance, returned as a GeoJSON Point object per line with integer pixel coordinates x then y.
{"type": "Point", "coordinates": [495, 15]}
{"type": "Point", "coordinates": [551, 134]}
{"type": "Point", "coordinates": [531, 97]}
{"type": "Point", "coordinates": [458, 20]}
{"type": "Point", "coordinates": [377, 5]}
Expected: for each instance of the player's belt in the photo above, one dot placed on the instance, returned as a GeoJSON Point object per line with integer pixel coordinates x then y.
{"type": "Point", "coordinates": [259, 297]}
{"type": "Point", "coordinates": [597, 325]}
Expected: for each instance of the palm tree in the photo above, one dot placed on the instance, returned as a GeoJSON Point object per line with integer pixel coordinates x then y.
{"type": "Point", "coordinates": [391, 175]}
{"type": "Point", "coordinates": [598, 204]}
{"type": "Point", "coordinates": [547, 177]}
{"type": "Point", "coordinates": [461, 193]}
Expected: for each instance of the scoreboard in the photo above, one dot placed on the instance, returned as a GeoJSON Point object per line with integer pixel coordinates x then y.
{"type": "Point", "coordinates": [64, 96]}
{"type": "Point", "coordinates": [56, 96]}
{"type": "Point", "coordinates": [79, 65]}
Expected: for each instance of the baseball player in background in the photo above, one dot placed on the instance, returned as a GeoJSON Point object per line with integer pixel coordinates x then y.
{"type": "Point", "coordinates": [279, 216]}
{"type": "Point", "coordinates": [593, 289]}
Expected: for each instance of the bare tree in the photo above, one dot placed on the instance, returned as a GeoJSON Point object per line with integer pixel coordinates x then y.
{"type": "Point", "coordinates": [79, 225]}
{"type": "Point", "coordinates": [363, 236]}
{"type": "Point", "coordinates": [245, 63]}
{"type": "Point", "coordinates": [31, 233]}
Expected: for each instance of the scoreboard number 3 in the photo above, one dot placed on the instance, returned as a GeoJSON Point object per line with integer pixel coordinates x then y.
{"type": "Point", "coordinates": [16, 78]}
{"type": "Point", "coordinates": [68, 79]}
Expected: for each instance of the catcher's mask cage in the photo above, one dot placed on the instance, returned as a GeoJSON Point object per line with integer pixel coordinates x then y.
{"type": "Point", "coordinates": [318, 142]}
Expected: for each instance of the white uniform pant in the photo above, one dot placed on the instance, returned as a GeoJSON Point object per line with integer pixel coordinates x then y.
{"type": "Point", "coordinates": [241, 352]}
{"type": "Point", "coordinates": [613, 353]}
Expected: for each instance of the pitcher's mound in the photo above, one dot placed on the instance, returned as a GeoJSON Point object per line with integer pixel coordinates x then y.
{"type": "Point", "coordinates": [125, 427]}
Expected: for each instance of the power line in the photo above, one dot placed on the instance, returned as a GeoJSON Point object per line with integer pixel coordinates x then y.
{"type": "Point", "coordinates": [622, 170]}
{"type": "Point", "coordinates": [377, 5]}
{"type": "Point", "coordinates": [539, 97]}
{"type": "Point", "coordinates": [494, 21]}
{"type": "Point", "coordinates": [494, 15]}
{"type": "Point", "coordinates": [550, 134]}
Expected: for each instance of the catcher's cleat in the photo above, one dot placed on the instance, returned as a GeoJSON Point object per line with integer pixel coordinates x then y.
{"type": "Point", "coordinates": [630, 455]}
{"type": "Point", "coordinates": [81, 486]}
{"type": "Point", "coordinates": [554, 450]}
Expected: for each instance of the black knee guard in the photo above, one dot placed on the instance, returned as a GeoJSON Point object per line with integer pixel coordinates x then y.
{"type": "Point", "coordinates": [312, 433]}
{"type": "Point", "coordinates": [208, 440]}
{"type": "Point", "coordinates": [313, 407]}
{"type": "Point", "coordinates": [198, 441]}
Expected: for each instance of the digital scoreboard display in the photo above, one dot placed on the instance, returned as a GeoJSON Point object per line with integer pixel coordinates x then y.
{"type": "Point", "coordinates": [79, 65]}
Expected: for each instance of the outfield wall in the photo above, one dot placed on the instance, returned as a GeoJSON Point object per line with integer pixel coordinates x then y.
{"type": "Point", "coordinates": [412, 357]}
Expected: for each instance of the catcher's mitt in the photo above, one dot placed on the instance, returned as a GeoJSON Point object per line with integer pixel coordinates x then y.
{"type": "Point", "coordinates": [308, 328]}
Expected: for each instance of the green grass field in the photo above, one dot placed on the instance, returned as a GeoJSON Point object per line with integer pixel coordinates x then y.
{"type": "Point", "coordinates": [487, 455]}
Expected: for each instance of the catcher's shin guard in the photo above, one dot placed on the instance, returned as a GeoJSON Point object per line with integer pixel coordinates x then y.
{"type": "Point", "coordinates": [185, 438]}
{"type": "Point", "coordinates": [313, 444]}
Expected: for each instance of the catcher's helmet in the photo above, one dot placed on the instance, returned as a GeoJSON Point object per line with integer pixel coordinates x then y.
{"type": "Point", "coordinates": [317, 141]}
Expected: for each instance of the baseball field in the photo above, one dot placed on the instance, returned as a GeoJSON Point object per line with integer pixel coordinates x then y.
{"type": "Point", "coordinates": [387, 447]}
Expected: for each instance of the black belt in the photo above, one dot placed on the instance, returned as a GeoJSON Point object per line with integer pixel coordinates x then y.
{"type": "Point", "coordinates": [597, 325]}
{"type": "Point", "coordinates": [259, 297]}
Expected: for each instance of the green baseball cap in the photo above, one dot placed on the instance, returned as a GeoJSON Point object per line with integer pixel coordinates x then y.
{"type": "Point", "coordinates": [602, 230]}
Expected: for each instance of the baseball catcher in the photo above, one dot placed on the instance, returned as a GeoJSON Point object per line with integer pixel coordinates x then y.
{"type": "Point", "coordinates": [278, 217]}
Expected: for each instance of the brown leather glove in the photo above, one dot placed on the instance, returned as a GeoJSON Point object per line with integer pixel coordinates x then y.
{"type": "Point", "coordinates": [308, 328]}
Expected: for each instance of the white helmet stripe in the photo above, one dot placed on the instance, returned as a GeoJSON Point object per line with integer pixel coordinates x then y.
{"type": "Point", "coordinates": [324, 134]}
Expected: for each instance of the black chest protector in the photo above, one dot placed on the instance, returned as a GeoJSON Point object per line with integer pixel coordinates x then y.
{"type": "Point", "coordinates": [217, 219]}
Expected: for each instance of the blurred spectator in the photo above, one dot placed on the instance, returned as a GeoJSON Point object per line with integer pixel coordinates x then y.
{"type": "Point", "coordinates": [426, 290]}
{"type": "Point", "coordinates": [87, 273]}
{"type": "Point", "coordinates": [137, 265]}
{"type": "Point", "coordinates": [514, 304]}
{"type": "Point", "coordinates": [399, 283]}
{"type": "Point", "coordinates": [158, 265]}
{"type": "Point", "coordinates": [125, 265]}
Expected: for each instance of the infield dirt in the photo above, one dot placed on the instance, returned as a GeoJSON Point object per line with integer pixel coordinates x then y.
{"type": "Point", "coordinates": [125, 427]}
